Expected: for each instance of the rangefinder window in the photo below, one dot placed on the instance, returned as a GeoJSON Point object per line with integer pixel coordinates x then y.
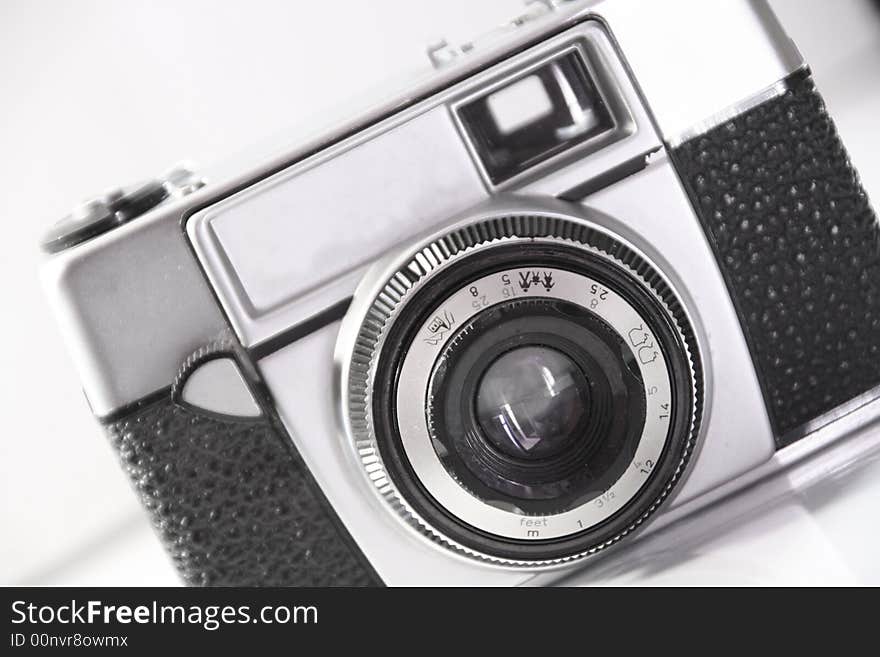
{"type": "Point", "coordinates": [535, 116]}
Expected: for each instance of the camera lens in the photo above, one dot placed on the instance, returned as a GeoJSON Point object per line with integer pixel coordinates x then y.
{"type": "Point", "coordinates": [532, 401]}
{"type": "Point", "coordinates": [525, 388]}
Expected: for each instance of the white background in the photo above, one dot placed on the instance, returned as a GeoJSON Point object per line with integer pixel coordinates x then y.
{"type": "Point", "coordinates": [97, 93]}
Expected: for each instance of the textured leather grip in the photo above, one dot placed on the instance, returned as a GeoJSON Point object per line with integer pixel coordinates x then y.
{"type": "Point", "coordinates": [798, 244]}
{"type": "Point", "coordinates": [233, 502]}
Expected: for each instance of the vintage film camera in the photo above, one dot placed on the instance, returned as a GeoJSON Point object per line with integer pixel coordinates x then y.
{"type": "Point", "coordinates": [595, 267]}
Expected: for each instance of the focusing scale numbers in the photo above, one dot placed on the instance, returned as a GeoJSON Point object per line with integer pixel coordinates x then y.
{"type": "Point", "coordinates": [646, 351]}
{"type": "Point", "coordinates": [598, 294]}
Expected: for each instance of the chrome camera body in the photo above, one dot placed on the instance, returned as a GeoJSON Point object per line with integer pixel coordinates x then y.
{"type": "Point", "coordinates": [603, 266]}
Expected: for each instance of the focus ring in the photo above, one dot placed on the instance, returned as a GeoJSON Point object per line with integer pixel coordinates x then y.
{"type": "Point", "coordinates": [487, 237]}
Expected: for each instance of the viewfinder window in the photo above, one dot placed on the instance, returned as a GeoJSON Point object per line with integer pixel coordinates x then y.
{"type": "Point", "coordinates": [535, 117]}
{"type": "Point", "coordinates": [520, 104]}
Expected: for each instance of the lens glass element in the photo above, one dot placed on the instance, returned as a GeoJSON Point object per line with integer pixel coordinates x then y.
{"type": "Point", "coordinates": [532, 402]}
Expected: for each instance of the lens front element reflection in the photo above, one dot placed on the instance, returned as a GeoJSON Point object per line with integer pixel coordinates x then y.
{"type": "Point", "coordinates": [532, 402]}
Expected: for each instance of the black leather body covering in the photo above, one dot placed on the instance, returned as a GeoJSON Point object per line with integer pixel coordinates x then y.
{"type": "Point", "coordinates": [799, 248]}
{"type": "Point", "coordinates": [233, 501]}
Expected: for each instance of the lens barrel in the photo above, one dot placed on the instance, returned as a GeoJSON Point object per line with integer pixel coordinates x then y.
{"type": "Point", "coordinates": [529, 386]}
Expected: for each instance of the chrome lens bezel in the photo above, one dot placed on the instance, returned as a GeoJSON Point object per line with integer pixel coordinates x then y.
{"type": "Point", "coordinates": [421, 358]}
{"type": "Point", "coordinates": [389, 301]}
